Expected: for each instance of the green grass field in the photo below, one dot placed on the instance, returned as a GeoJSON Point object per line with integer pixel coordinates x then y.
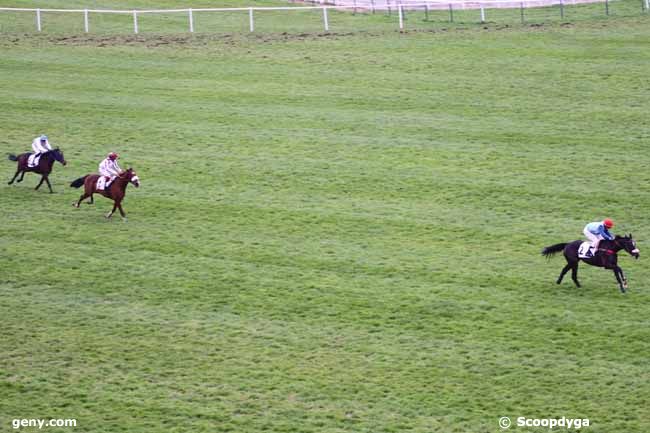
{"type": "Point", "coordinates": [334, 233]}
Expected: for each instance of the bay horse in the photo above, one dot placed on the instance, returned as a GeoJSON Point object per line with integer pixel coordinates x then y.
{"type": "Point", "coordinates": [606, 257]}
{"type": "Point", "coordinates": [115, 191]}
{"type": "Point", "coordinates": [44, 166]}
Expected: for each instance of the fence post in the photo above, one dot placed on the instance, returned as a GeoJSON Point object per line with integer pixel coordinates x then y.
{"type": "Point", "coordinates": [607, 7]}
{"type": "Point", "coordinates": [86, 27]}
{"type": "Point", "coordinates": [522, 12]}
{"type": "Point", "coordinates": [325, 20]}
{"type": "Point", "coordinates": [426, 12]}
{"type": "Point", "coordinates": [451, 14]}
{"type": "Point", "coordinates": [372, 5]}
{"type": "Point", "coordinates": [191, 18]}
{"type": "Point", "coordinates": [482, 14]}
{"type": "Point", "coordinates": [647, 4]}
{"type": "Point", "coordinates": [135, 22]}
{"type": "Point", "coordinates": [401, 18]}
{"type": "Point", "coordinates": [251, 23]}
{"type": "Point", "coordinates": [38, 20]}
{"type": "Point", "coordinates": [562, 9]}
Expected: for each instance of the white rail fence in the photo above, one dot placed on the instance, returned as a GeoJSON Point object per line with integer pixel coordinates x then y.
{"type": "Point", "coordinates": [400, 6]}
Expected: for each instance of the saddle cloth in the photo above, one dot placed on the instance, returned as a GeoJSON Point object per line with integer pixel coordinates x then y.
{"type": "Point", "coordinates": [585, 251]}
{"type": "Point", "coordinates": [32, 160]}
{"type": "Point", "coordinates": [102, 183]}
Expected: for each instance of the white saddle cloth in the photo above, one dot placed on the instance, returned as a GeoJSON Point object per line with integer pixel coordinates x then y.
{"type": "Point", "coordinates": [102, 183]}
{"type": "Point", "coordinates": [32, 160]}
{"type": "Point", "coordinates": [585, 251]}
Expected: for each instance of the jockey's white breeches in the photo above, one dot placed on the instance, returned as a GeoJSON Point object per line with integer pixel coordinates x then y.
{"type": "Point", "coordinates": [595, 239]}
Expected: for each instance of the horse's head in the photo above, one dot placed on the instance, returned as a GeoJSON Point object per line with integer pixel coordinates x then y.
{"type": "Point", "coordinates": [628, 245]}
{"type": "Point", "coordinates": [130, 176]}
{"type": "Point", "coordinates": [58, 156]}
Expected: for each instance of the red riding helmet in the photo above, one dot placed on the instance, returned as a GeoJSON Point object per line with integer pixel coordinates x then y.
{"type": "Point", "coordinates": [608, 223]}
{"type": "Point", "coordinates": [113, 156]}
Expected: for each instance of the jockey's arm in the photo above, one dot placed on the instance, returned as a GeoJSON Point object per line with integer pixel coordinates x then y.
{"type": "Point", "coordinates": [107, 168]}
{"type": "Point", "coordinates": [36, 146]}
{"type": "Point", "coordinates": [113, 168]}
{"type": "Point", "coordinates": [606, 234]}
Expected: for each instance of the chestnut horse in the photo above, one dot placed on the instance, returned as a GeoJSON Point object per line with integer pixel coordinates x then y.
{"type": "Point", "coordinates": [115, 191]}
{"type": "Point", "coordinates": [44, 166]}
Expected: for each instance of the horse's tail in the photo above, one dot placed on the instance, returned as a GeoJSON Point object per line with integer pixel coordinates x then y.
{"type": "Point", "coordinates": [78, 182]}
{"type": "Point", "coordinates": [12, 157]}
{"type": "Point", "coordinates": [550, 251]}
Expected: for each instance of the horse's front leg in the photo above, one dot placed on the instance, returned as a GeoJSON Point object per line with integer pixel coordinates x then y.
{"type": "Point", "coordinates": [119, 206]}
{"type": "Point", "coordinates": [110, 214]}
{"type": "Point", "coordinates": [49, 185]}
{"type": "Point", "coordinates": [40, 183]}
{"type": "Point", "coordinates": [15, 176]}
{"type": "Point", "coordinates": [622, 281]}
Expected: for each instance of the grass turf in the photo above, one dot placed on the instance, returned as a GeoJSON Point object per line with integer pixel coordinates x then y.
{"type": "Point", "coordinates": [334, 233]}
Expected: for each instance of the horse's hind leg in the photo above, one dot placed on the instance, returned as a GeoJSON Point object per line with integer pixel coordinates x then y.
{"type": "Point", "coordinates": [564, 271]}
{"type": "Point", "coordinates": [92, 200]}
{"type": "Point", "coordinates": [83, 196]}
{"type": "Point", "coordinates": [22, 175]}
{"type": "Point", "coordinates": [574, 274]}
{"type": "Point", "coordinates": [15, 176]}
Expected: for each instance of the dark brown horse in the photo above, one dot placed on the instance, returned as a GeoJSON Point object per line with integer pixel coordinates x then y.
{"type": "Point", "coordinates": [115, 191]}
{"type": "Point", "coordinates": [606, 257]}
{"type": "Point", "coordinates": [44, 166]}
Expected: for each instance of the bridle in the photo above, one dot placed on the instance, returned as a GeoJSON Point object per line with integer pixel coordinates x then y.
{"type": "Point", "coordinates": [624, 246]}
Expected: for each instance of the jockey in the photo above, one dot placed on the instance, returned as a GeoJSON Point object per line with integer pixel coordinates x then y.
{"type": "Point", "coordinates": [40, 145]}
{"type": "Point", "coordinates": [108, 170]}
{"type": "Point", "coordinates": [597, 231]}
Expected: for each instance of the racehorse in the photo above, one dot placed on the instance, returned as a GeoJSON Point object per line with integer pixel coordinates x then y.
{"type": "Point", "coordinates": [606, 257]}
{"type": "Point", "coordinates": [115, 191]}
{"type": "Point", "coordinates": [44, 166]}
